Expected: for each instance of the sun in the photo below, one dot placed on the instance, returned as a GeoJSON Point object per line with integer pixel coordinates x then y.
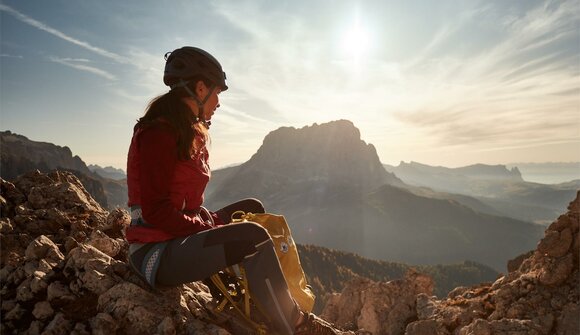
{"type": "Point", "coordinates": [356, 41]}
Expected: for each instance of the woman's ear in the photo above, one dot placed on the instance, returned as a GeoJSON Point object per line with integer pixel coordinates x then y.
{"type": "Point", "coordinates": [200, 88]}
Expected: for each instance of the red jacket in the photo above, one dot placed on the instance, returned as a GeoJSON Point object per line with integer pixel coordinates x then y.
{"type": "Point", "coordinates": [165, 186]}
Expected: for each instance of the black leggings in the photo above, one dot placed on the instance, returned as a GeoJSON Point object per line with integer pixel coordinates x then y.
{"type": "Point", "coordinates": [201, 255]}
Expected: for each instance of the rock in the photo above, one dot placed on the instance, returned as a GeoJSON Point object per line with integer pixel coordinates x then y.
{"type": "Point", "coordinates": [38, 283]}
{"type": "Point", "coordinates": [8, 305]}
{"type": "Point", "coordinates": [568, 323]}
{"type": "Point", "coordinates": [117, 221]}
{"type": "Point", "coordinates": [379, 308]}
{"type": "Point", "coordinates": [80, 329]}
{"type": "Point", "coordinates": [5, 274]}
{"type": "Point", "coordinates": [70, 243]}
{"type": "Point", "coordinates": [12, 198]}
{"type": "Point", "coordinates": [514, 326]}
{"type": "Point", "coordinates": [42, 310]}
{"type": "Point", "coordinates": [426, 306]}
{"type": "Point", "coordinates": [6, 225]}
{"type": "Point", "coordinates": [104, 243]}
{"type": "Point", "coordinates": [92, 267]}
{"type": "Point", "coordinates": [424, 327]}
{"type": "Point", "coordinates": [514, 264]}
{"type": "Point", "coordinates": [57, 291]}
{"type": "Point", "coordinates": [103, 324]}
{"type": "Point", "coordinates": [478, 327]}
{"type": "Point", "coordinates": [555, 243]}
{"type": "Point", "coordinates": [63, 191]}
{"type": "Point", "coordinates": [64, 269]}
{"type": "Point", "coordinates": [43, 248]}
{"type": "Point", "coordinates": [35, 328]}
{"type": "Point", "coordinates": [16, 313]}
{"type": "Point", "coordinates": [166, 327]}
{"type": "Point", "coordinates": [24, 292]}
{"type": "Point", "coordinates": [555, 272]}
{"type": "Point", "coordinates": [58, 325]}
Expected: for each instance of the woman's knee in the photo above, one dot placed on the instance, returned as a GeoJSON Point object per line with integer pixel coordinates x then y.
{"type": "Point", "coordinates": [249, 236]}
{"type": "Point", "coordinates": [253, 205]}
{"type": "Point", "coordinates": [255, 232]}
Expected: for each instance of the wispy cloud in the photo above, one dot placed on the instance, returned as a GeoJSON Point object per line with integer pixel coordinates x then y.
{"type": "Point", "coordinates": [39, 25]}
{"type": "Point", "coordinates": [520, 92]}
{"type": "Point", "coordinates": [81, 64]}
{"type": "Point", "coordinates": [11, 56]}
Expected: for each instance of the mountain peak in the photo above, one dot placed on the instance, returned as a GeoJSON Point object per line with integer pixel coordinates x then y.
{"type": "Point", "coordinates": [330, 151]}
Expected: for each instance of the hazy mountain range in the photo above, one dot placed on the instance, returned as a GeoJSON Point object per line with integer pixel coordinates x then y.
{"type": "Point", "coordinates": [108, 172]}
{"type": "Point", "coordinates": [550, 172]}
{"type": "Point", "coordinates": [499, 191]}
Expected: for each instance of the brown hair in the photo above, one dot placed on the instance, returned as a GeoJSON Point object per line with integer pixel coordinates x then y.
{"type": "Point", "coordinates": [171, 108]}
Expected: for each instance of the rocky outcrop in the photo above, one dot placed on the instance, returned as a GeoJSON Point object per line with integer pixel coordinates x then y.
{"type": "Point", "coordinates": [539, 296]}
{"type": "Point", "coordinates": [377, 307]}
{"type": "Point", "coordinates": [63, 268]}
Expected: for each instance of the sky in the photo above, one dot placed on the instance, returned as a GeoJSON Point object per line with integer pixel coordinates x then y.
{"type": "Point", "coordinates": [449, 83]}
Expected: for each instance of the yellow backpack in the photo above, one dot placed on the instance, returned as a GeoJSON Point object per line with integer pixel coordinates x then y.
{"type": "Point", "coordinates": [287, 253]}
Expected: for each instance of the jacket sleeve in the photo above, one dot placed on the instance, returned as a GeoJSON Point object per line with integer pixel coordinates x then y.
{"type": "Point", "coordinates": [158, 157]}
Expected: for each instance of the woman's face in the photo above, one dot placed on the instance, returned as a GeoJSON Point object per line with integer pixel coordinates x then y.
{"type": "Point", "coordinates": [212, 102]}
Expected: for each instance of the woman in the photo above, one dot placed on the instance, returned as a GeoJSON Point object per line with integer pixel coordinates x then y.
{"type": "Point", "coordinates": [173, 239]}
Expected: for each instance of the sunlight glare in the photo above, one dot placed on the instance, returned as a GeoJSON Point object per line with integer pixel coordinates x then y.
{"type": "Point", "coordinates": [356, 41]}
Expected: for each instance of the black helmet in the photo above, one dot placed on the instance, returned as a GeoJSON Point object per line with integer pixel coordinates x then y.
{"type": "Point", "coordinates": [188, 62]}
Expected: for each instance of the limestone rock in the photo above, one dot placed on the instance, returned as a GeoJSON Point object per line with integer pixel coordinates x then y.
{"type": "Point", "coordinates": [58, 292]}
{"type": "Point", "coordinates": [43, 248]}
{"type": "Point", "coordinates": [104, 243]}
{"type": "Point", "coordinates": [379, 308]}
{"type": "Point", "coordinates": [58, 325]}
{"type": "Point", "coordinates": [103, 324]}
{"type": "Point", "coordinates": [539, 296]}
{"type": "Point", "coordinates": [63, 268]}
{"type": "Point", "coordinates": [42, 310]}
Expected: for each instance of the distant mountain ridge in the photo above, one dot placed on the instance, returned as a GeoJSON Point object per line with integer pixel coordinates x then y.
{"type": "Point", "coordinates": [501, 189]}
{"type": "Point", "coordinates": [20, 155]}
{"type": "Point", "coordinates": [549, 172]}
{"type": "Point", "coordinates": [334, 192]}
{"type": "Point", "coordinates": [453, 179]}
{"type": "Point", "coordinates": [108, 172]}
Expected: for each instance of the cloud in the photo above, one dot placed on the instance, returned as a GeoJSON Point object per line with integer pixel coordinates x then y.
{"type": "Point", "coordinates": [519, 92]}
{"type": "Point", "coordinates": [39, 25]}
{"type": "Point", "coordinates": [11, 56]}
{"type": "Point", "coordinates": [287, 64]}
{"type": "Point", "coordinates": [80, 64]}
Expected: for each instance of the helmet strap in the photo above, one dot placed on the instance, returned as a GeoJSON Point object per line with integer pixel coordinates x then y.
{"type": "Point", "coordinates": [200, 104]}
